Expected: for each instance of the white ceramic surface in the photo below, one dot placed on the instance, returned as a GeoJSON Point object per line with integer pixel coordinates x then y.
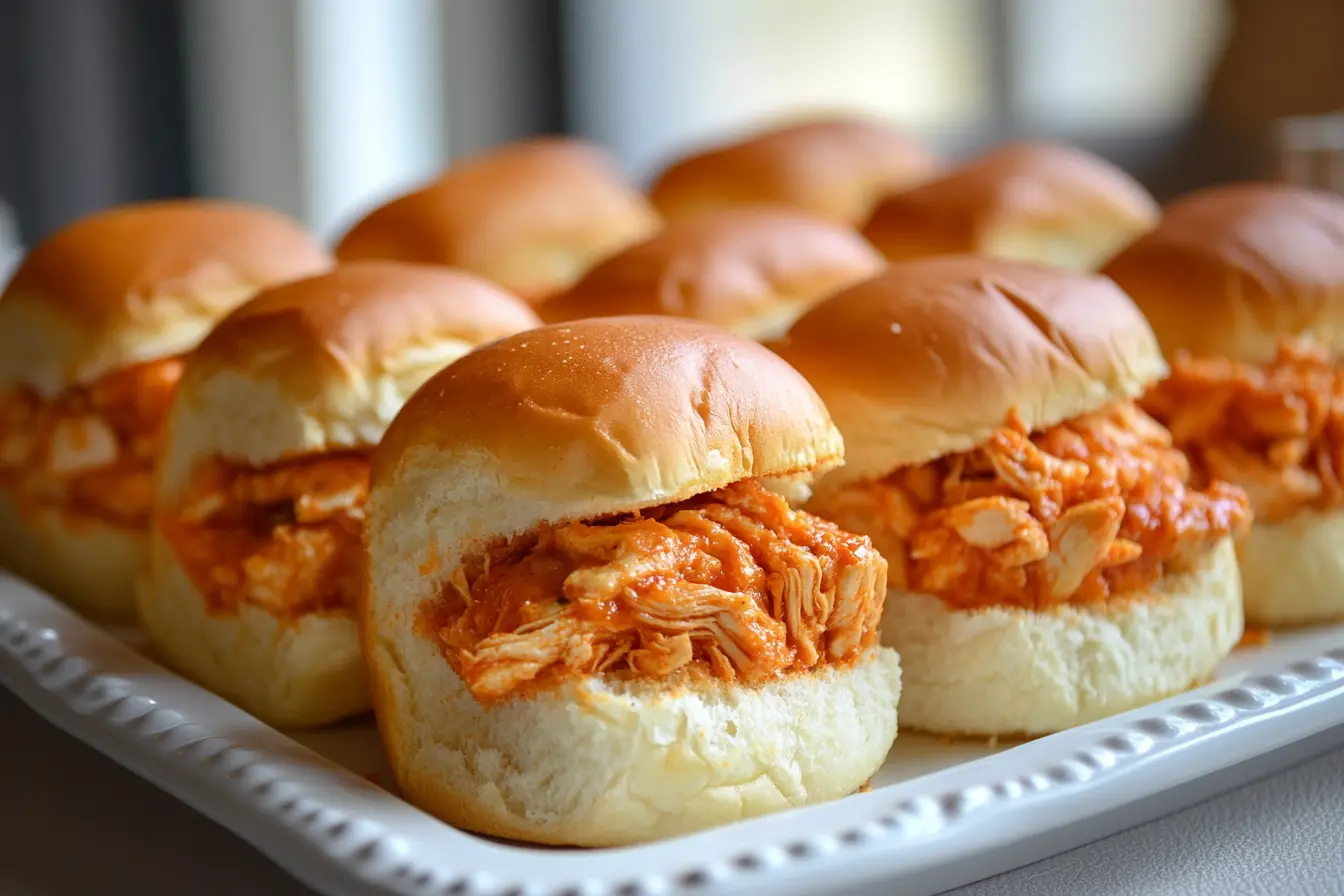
{"type": "Point", "coordinates": [938, 815]}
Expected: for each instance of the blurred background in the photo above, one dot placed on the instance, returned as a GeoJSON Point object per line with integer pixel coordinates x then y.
{"type": "Point", "coordinates": [323, 108]}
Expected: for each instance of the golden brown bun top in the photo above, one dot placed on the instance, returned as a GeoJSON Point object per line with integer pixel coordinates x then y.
{"type": "Point", "coordinates": [1231, 269]}
{"type": "Point", "coordinates": [531, 216]}
{"type": "Point", "coordinates": [1015, 201]}
{"type": "Point", "coordinates": [929, 358]}
{"type": "Point", "coordinates": [740, 268]}
{"type": "Point", "coordinates": [326, 363]}
{"type": "Point", "coordinates": [836, 167]}
{"type": "Point", "coordinates": [600, 416]}
{"type": "Point", "coordinates": [139, 282]}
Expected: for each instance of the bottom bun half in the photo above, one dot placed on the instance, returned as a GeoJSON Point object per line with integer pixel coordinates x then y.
{"type": "Point", "coordinates": [88, 564]}
{"type": "Point", "coordinates": [288, 673]}
{"type": "Point", "coordinates": [1293, 571]}
{"type": "Point", "coordinates": [606, 763]}
{"type": "Point", "coordinates": [1011, 671]}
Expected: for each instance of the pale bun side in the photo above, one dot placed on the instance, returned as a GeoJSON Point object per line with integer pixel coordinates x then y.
{"type": "Point", "coordinates": [298, 672]}
{"type": "Point", "coordinates": [531, 215]}
{"type": "Point", "coordinates": [1231, 269]}
{"type": "Point", "coordinates": [579, 420]}
{"type": "Point", "coordinates": [749, 269]}
{"type": "Point", "coordinates": [1293, 571]}
{"type": "Point", "coordinates": [90, 565]}
{"type": "Point", "coordinates": [837, 167]}
{"type": "Point", "coordinates": [1010, 671]}
{"type": "Point", "coordinates": [929, 358]}
{"type": "Point", "coordinates": [606, 763]}
{"type": "Point", "coordinates": [140, 282]}
{"type": "Point", "coordinates": [326, 362]}
{"type": "Point", "coordinates": [1039, 202]}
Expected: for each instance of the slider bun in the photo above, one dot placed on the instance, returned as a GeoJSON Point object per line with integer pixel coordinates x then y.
{"type": "Point", "coordinates": [1293, 571]}
{"type": "Point", "coordinates": [531, 216]}
{"type": "Point", "coordinates": [1028, 201]}
{"type": "Point", "coordinates": [1010, 671]}
{"type": "Point", "coordinates": [140, 282]}
{"type": "Point", "coordinates": [835, 167]}
{"type": "Point", "coordinates": [91, 565]}
{"type": "Point", "coordinates": [928, 358]}
{"type": "Point", "coordinates": [308, 367]}
{"type": "Point", "coordinates": [1231, 269]}
{"type": "Point", "coordinates": [325, 363]}
{"type": "Point", "coordinates": [573, 421]}
{"type": "Point", "coordinates": [608, 763]}
{"type": "Point", "coordinates": [751, 270]}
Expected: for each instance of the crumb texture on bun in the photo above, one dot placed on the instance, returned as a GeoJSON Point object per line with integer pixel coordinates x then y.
{"type": "Point", "coordinates": [1231, 269]}
{"type": "Point", "coordinates": [1011, 671]}
{"type": "Point", "coordinates": [930, 357]}
{"type": "Point", "coordinates": [140, 282]}
{"type": "Point", "coordinates": [1292, 570]}
{"type": "Point", "coordinates": [565, 427]}
{"type": "Point", "coordinates": [326, 362]}
{"type": "Point", "coordinates": [532, 216]}
{"type": "Point", "coordinates": [751, 270]}
{"type": "Point", "coordinates": [832, 166]}
{"type": "Point", "coordinates": [1039, 202]}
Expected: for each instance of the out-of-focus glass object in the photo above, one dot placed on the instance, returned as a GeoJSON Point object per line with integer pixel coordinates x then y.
{"type": "Point", "coordinates": [1311, 151]}
{"type": "Point", "coordinates": [11, 252]}
{"type": "Point", "coordinates": [649, 79]}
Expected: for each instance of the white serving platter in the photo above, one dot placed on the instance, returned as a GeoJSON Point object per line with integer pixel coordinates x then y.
{"type": "Point", "coordinates": [938, 815]}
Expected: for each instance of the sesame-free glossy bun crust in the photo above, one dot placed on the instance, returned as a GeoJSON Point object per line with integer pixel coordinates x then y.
{"type": "Point", "coordinates": [1231, 269]}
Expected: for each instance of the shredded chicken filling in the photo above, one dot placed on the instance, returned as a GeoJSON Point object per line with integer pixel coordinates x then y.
{"type": "Point", "coordinates": [733, 584]}
{"type": "Point", "coordinates": [285, 538]}
{"type": "Point", "coordinates": [1095, 507]}
{"type": "Point", "coordinates": [90, 451]}
{"type": "Point", "coordinates": [1277, 431]}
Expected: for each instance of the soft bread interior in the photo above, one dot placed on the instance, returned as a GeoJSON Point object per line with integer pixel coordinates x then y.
{"type": "Point", "coordinates": [90, 565]}
{"type": "Point", "coordinates": [1293, 571]}
{"type": "Point", "coordinates": [1009, 671]}
{"type": "Point", "coordinates": [603, 763]}
{"type": "Point", "coordinates": [288, 673]}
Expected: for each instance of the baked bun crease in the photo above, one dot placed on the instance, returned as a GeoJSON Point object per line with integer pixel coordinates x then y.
{"type": "Point", "coordinates": [1047, 203]}
{"type": "Point", "coordinates": [93, 326]}
{"type": "Point", "coordinates": [531, 215]}
{"type": "Point", "coordinates": [1051, 560]}
{"type": "Point", "coordinates": [592, 618]}
{"type": "Point", "coordinates": [1244, 287]}
{"type": "Point", "coordinates": [749, 269]}
{"type": "Point", "coordinates": [256, 551]}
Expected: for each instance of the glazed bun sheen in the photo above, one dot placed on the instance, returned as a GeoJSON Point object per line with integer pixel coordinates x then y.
{"type": "Point", "coordinates": [590, 620]}
{"type": "Point", "coordinates": [532, 216]}
{"type": "Point", "coordinates": [836, 167]}
{"type": "Point", "coordinates": [93, 325]}
{"type": "Point", "coordinates": [1244, 286]}
{"type": "Point", "coordinates": [1038, 202]}
{"type": "Point", "coordinates": [749, 269]}
{"type": "Point", "coordinates": [256, 555]}
{"type": "Point", "coordinates": [1050, 563]}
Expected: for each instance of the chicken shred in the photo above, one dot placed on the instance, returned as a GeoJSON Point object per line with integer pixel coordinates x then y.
{"type": "Point", "coordinates": [733, 583]}
{"type": "Point", "coordinates": [1277, 431]}
{"type": "Point", "coordinates": [1094, 507]}
{"type": "Point", "coordinates": [90, 451]}
{"type": "Point", "coordinates": [285, 537]}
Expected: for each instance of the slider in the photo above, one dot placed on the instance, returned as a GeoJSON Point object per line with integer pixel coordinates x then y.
{"type": "Point", "coordinates": [836, 167]}
{"type": "Point", "coordinates": [1244, 286]}
{"type": "Point", "coordinates": [1038, 202]}
{"type": "Point", "coordinates": [749, 269]}
{"type": "Point", "coordinates": [531, 216]}
{"type": "Point", "coordinates": [93, 326]}
{"type": "Point", "coordinates": [1051, 562]}
{"type": "Point", "coordinates": [590, 619]}
{"type": "Point", "coordinates": [256, 557]}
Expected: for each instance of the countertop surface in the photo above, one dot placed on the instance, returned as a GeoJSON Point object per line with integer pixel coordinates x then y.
{"type": "Point", "coordinates": [73, 823]}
